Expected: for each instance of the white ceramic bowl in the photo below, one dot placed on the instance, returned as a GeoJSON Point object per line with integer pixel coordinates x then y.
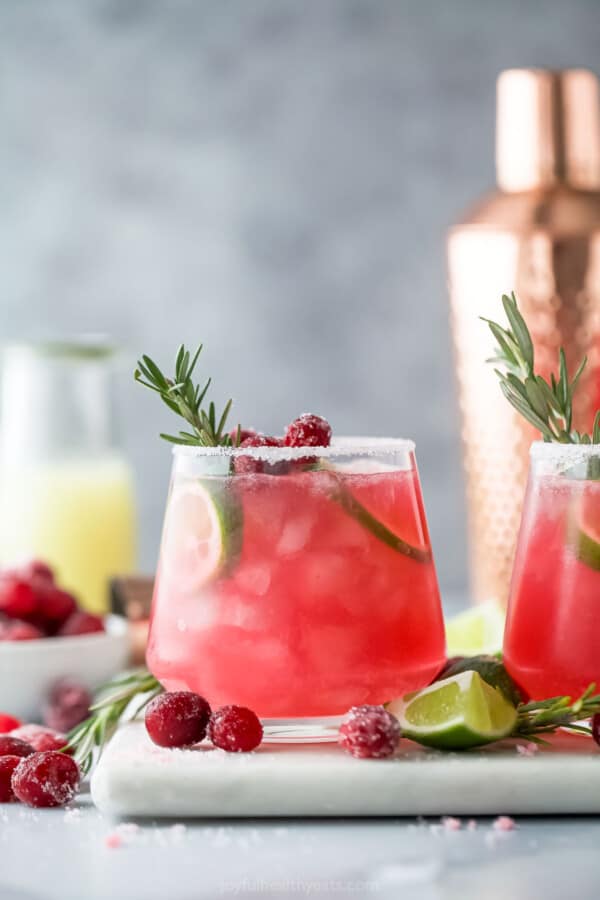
{"type": "Point", "coordinates": [29, 668]}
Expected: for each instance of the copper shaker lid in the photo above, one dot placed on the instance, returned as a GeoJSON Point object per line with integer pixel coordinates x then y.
{"type": "Point", "coordinates": [548, 129]}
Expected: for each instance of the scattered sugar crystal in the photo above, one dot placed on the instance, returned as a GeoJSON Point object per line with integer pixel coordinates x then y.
{"type": "Point", "coordinates": [404, 873]}
{"type": "Point", "coordinates": [491, 839]}
{"type": "Point", "coordinates": [127, 829]}
{"type": "Point", "coordinates": [504, 823]}
{"type": "Point", "coordinates": [177, 832]}
{"type": "Point", "coordinates": [451, 823]}
{"type": "Point", "coordinates": [72, 815]}
{"type": "Point", "coordinates": [528, 749]}
{"type": "Point", "coordinates": [220, 837]}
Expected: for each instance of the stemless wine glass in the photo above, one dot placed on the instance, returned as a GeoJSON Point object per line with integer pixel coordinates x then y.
{"type": "Point", "coordinates": [552, 638]}
{"type": "Point", "coordinates": [298, 582]}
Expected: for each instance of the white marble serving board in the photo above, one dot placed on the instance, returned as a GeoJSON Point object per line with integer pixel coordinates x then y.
{"type": "Point", "coordinates": [136, 778]}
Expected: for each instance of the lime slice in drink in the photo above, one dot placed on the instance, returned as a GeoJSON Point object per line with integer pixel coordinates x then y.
{"type": "Point", "coordinates": [455, 714]}
{"type": "Point", "coordinates": [476, 631]}
{"type": "Point", "coordinates": [584, 530]}
{"type": "Point", "coordinates": [202, 534]}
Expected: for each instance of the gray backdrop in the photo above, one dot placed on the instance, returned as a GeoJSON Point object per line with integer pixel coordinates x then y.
{"type": "Point", "coordinates": [273, 177]}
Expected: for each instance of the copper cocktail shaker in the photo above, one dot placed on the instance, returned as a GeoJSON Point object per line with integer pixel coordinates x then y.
{"type": "Point", "coordinates": [539, 235]}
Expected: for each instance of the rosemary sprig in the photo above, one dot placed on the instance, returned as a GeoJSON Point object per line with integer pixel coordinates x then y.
{"type": "Point", "coordinates": [110, 707]}
{"type": "Point", "coordinates": [547, 405]}
{"type": "Point", "coordinates": [185, 398]}
{"type": "Point", "coordinates": [542, 717]}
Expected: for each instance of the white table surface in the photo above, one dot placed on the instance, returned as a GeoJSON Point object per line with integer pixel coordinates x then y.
{"type": "Point", "coordinates": [62, 855]}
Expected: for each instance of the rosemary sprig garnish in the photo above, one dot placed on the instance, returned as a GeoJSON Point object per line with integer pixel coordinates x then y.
{"type": "Point", "coordinates": [185, 398]}
{"type": "Point", "coordinates": [548, 406]}
{"type": "Point", "coordinates": [542, 717]}
{"type": "Point", "coordinates": [109, 709]}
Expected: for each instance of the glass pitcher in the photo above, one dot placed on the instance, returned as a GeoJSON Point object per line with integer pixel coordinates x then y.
{"type": "Point", "coordinates": [66, 490]}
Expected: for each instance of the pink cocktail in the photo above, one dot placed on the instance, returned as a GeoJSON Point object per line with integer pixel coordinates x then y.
{"type": "Point", "coordinates": [300, 590]}
{"type": "Point", "coordinates": [552, 640]}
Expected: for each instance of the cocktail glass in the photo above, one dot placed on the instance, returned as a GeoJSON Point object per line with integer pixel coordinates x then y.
{"type": "Point", "coordinates": [297, 582]}
{"type": "Point", "coordinates": [552, 638]}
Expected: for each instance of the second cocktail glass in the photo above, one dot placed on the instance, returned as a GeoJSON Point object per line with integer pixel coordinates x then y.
{"type": "Point", "coordinates": [552, 639]}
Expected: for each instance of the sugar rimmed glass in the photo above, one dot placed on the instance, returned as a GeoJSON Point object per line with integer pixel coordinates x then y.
{"type": "Point", "coordinates": [552, 638]}
{"type": "Point", "coordinates": [299, 590]}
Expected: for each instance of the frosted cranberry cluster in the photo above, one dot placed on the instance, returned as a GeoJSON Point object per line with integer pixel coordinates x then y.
{"type": "Point", "coordinates": [182, 719]}
{"type": "Point", "coordinates": [33, 765]}
{"type": "Point", "coordinates": [308, 430]}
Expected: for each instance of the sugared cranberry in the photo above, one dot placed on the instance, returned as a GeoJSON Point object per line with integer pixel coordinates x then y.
{"type": "Point", "coordinates": [55, 606]}
{"type": "Point", "coordinates": [81, 623]}
{"type": "Point", "coordinates": [235, 729]}
{"type": "Point", "coordinates": [244, 434]}
{"type": "Point", "coordinates": [595, 726]}
{"type": "Point", "coordinates": [18, 598]}
{"type": "Point", "coordinates": [177, 719]}
{"type": "Point", "coordinates": [308, 430]}
{"type": "Point", "coordinates": [14, 746]}
{"type": "Point", "coordinates": [67, 704]}
{"type": "Point", "coordinates": [369, 732]}
{"type": "Point", "coordinates": [46, 779]}
{"type": "Point", "coordinates": [38, 570]}
{"type": "Point", "coordinates": [40, 737]}
{"type": "Point", "coordinates": [16, 630]}
{"type": "Point", "coordinates": [7, 723]}
{"type": "Point", "coordinates": [8, 764]}
{"type": "Point", "coordinates": [248, 465]}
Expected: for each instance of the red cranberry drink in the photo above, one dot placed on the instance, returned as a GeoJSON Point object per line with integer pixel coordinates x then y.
{"type": "Point", "coordinates": [296, 580]}
{"type": "Point", "coordinates": [552, 641]}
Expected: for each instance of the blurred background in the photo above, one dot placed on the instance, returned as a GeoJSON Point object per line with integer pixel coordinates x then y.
{"type": "Point", "coordinates": [274, 178]}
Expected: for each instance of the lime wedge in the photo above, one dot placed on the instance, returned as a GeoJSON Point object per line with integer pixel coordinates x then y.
{"type": "Point", "coordinates": [455, 714]}
{"type": "Point", "coordinates": [476, 631]}
{"type": "Point", "coordinates": [202, 534]}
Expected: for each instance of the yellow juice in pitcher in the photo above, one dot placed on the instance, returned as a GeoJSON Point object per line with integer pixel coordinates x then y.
{"type": "Point", "coordinates": [77, 515]}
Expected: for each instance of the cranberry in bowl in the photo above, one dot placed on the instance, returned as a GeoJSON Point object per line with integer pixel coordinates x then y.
{"type": "Point", "coordinates": [45, 636]}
